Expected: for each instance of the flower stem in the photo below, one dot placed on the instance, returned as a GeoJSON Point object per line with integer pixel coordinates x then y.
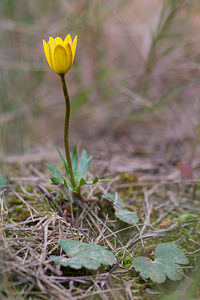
{"type": "Point", "coordinates": [66, 132]}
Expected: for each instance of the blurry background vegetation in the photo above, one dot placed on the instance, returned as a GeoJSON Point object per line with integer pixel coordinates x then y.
{"type": "Point", "coordinates": [135, 77]}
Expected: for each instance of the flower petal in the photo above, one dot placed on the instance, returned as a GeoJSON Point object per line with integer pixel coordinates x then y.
{"type": "Point", "coordinates": [62, 60]}
{"type": "Point", "coordinates": [52, 44]}
{"type": "Point", "coordinates": [47, 54]}
{"type": "Point", "coordinates": [74, 48]}
{"type": "Point", "coordinates": [69, 55]}
{"type": "Point", "coordinates": [68, 39]}
{"type": "Point", "coordinates": [59, 41]}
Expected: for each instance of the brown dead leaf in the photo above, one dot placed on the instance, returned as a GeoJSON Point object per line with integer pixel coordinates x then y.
{"type": "Point", "coordinates": [165, 223]}
{"type": "Point", "coordinates": [186, 169]}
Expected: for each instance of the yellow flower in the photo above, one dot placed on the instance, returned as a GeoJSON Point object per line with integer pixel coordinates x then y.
{"type": "Point", "coordinates": [60, 54]}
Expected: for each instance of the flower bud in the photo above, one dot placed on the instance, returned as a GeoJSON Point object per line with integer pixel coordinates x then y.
{"type": "Point", "coordinates": [60, 54]}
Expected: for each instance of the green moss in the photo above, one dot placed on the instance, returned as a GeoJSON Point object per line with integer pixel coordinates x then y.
{"type": "Point", "coordinates": [28, 189]}
{"type": "Point", "coordinates": [127, 261]}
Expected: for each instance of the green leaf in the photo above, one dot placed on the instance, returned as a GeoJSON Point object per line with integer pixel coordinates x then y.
{"type": "Point", "coordinates": [85, 255]}
{"type": "Point", "coordinates": [115, 199]}
{"type": "Point", "coordinates": [84, 182]}
{"type": "Point", "coordinates": [2, 181]}
{"type": "Point", "coordinates": [55, 180]}
{"type": "Point", "coordinates": [54, 170]}
{"type": "Point", "coordinates": [127, 216]}
{"type": "Point", "coordinates": [166, 264]}
{"type": "Point", "coordinates": [65, 163]}
{"type": "Point", "coordinates": [84, 164]}
{"type": "Point", "coordinates": [95, 180]}
{"type": "Point", "coordinates": [169, 251]}
{"type": "Point", "coordinates": [58, 177]}
{"type": "Point", "coordinates": [184, 217]}
{"type": "Point", "coordinates": [75, 159]}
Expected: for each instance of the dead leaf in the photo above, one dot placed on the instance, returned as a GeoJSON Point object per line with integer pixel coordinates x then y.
{"type": "Point", "coordinates": [165, 223]}
{"type": "Point", "coordinates": [186, 169]}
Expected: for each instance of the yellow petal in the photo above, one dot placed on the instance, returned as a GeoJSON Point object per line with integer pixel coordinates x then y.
{"type": "Point", "coordinates": [67, 39]}
{"type": "Point", "coordinates": [52, 44]}
{"type": "Point", "coordinates": [74, 48]}
{"type": "Point", "coordinates": [59, 41]}
{"type": "Point", "coordinates": [51, 41]}
{"type": "Point", "coordinates": [47, 54]}
{"type": "Point", "coordinates": [62, 59]}
{"type": "Point", "coordinates": [69, 55]}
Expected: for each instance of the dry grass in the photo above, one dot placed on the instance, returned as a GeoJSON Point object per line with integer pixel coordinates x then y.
{"type": "Point", "coordinates": [31, 226]}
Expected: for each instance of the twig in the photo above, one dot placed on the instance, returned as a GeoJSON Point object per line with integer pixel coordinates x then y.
{"type": "Point", "coordinates": [50, 197]}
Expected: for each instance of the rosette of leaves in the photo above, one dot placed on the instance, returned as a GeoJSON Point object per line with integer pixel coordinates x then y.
{"type": "Point", "coordinates": [79, 168]}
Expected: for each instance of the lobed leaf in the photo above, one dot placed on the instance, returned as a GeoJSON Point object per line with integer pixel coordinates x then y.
{"type": "Point", "coordinates": [166, 264]}
{"type": "Point", "coordinates": [170, 252]}
{"type": "Point", "coordinates": [85, 255]}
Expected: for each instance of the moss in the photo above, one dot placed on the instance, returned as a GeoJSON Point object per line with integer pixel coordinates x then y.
{"type": "Point", "coordinates": [127, 261]}
{"type": "Point", "coordinates": [12, 201]}
{"type": "Point", "coordinates": [28, 189]}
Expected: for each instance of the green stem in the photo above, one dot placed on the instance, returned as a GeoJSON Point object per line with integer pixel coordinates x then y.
{"type": "Point", "coordinates": [66, 132]}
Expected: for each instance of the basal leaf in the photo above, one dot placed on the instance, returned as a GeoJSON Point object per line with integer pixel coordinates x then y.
{"type": "Point", "coordinates": [75, 159]}
{"type": "Point", "coordinates": [54, 170]}
{"type": "Point", "coordinates": [115, 199]}
{"type": "Point", "coordinates": [82, 182]}
{"type": "Point", "coordinates": [148, 268]}
{"type": "Point", "coordinates": [127, 216]}
{"type": "Point", "coordinates": [85, 255]}
{"type": "Point", "coordinates": [170, 252]}
{"type": "Point", "coordinates": [84, 164]}
{"type": "Point", "coordinates": [68, 186]}
{"type": "Point", "coordinates": [76, 262]}
{"type": "Point", "coordinates": [55, 180]}
{"type": "Point", "coordinates": [66, 262]}
{"type": "Point", "coordinates": [166, 264]}
{"type": "Point", "coordinates": [65, 163]}
{"type": "Point", "coordinates": [2, 181]}
{"type": "Point", "coordinates": [95, 180]}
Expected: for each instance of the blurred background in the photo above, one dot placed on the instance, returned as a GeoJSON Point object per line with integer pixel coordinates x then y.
{"type": "Point", "coordinates": [134, 85]}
